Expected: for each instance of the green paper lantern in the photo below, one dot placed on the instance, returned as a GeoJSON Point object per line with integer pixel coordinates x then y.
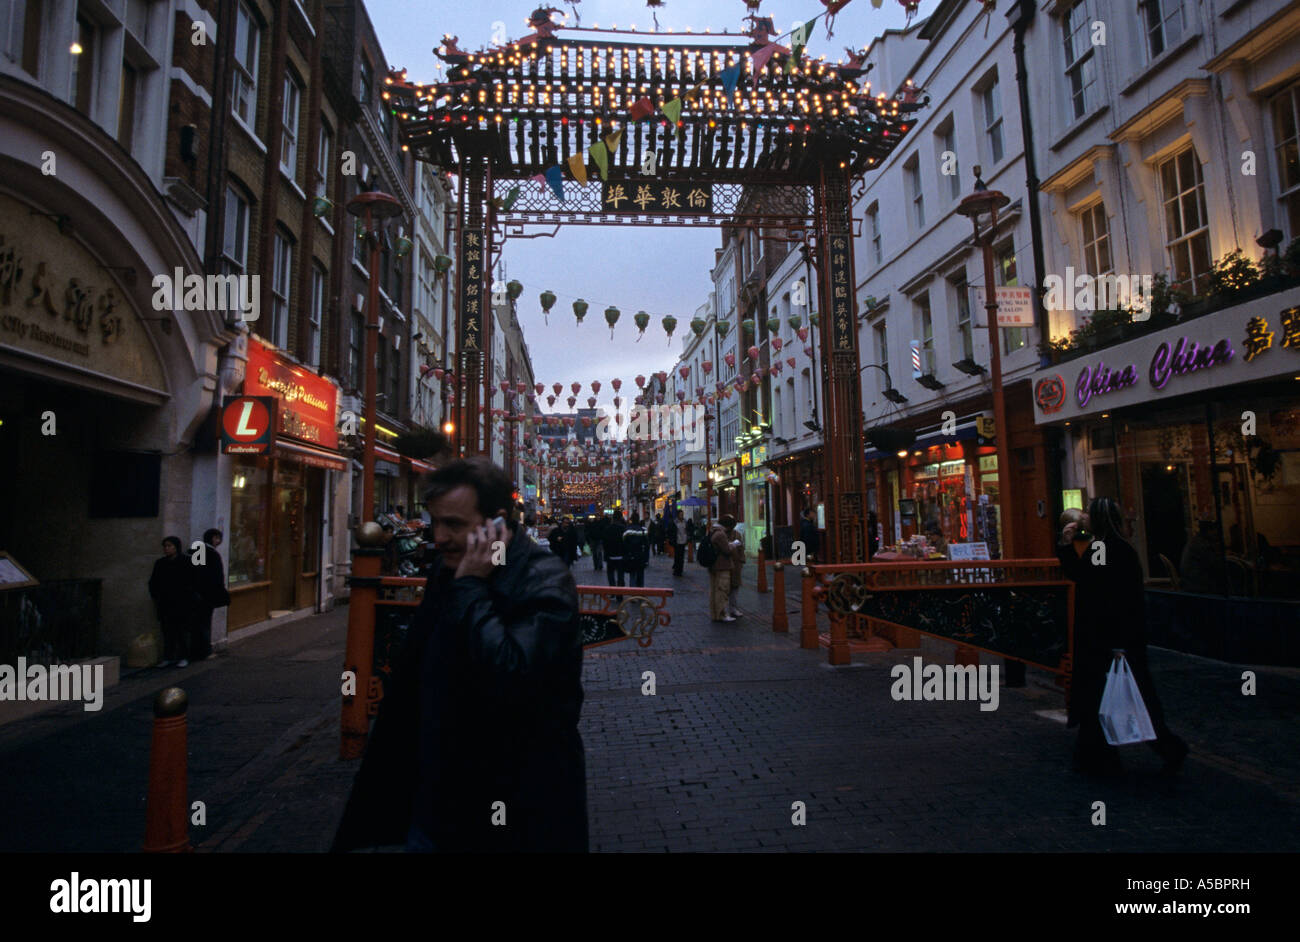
{"type": "Point", "coordinates": [698, 324]}
{"type": "Point", "coordinates": [611, 318]}
{"type": "Point", "coordinates": [442, 264]}
{"type": "Point", "coordinates": [548, 301]}
{"type": "Point", "coordinates": [642, 321]}
{"type": "Point", "coordinates": [670, 324]}
{"type": "Point", "coordinates": [814, 318]}
{"type": "Point", "coordinates": [514, 289]}
{"type": "Point", "coordinates": [773, 324]}
{"type": "Point", "coordinates": [723, 328]}
{"type": "Point", "coordinates": [747, 325]}
{"type": "Point", "coordinates": [580, 309]}
{"type": "Point", "coordinates": [795, 321]}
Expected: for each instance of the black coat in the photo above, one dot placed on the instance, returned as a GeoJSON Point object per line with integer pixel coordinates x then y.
{"type": "Point", "coordinates": [1109, 613]}
{"type": "Point", "coordinates": [613, 539]}
{"type": "Point", "coordinates": [174, 586]}
{"type": "Point", "coordinates": [482, 707]}
{"type": "Point", "coordinates": [211, 579]}
{"type": "Point", "coordinates": [809, 535]}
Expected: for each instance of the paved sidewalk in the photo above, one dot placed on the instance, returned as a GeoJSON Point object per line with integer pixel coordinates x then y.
{"type": "Point", "coordinates": [743, 724]}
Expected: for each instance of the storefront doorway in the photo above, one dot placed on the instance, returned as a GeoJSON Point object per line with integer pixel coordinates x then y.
{"type": "Point", "coordinates": [1165, 514]}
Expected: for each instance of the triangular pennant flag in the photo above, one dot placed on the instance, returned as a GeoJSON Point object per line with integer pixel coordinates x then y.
{"type": "Point", "coordinates": [730, 78]}
{"type": "Point", "coordinates": [761, 57]}
{"type": "Point", "coordinates": [641, 108]}
{"type": "Point", "coordinates": [578, 167]}
{"type": "Point", "coordinates": [799, 38]}
{"type": "Point", "coordinates": [612, 140]}
{"type": "Point", "coordinates": [673, 110]}
{"type": "Point", "coordinates": [539, 178]}
{"type": "Point", "coordinates": [600, 154]}
{"type": "Point", "coordinates": [511, 197]}
{"type": "Point", "coordinates": [555, 177]}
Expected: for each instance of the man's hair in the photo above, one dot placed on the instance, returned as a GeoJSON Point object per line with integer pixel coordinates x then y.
{"type": "Point", "coordinates": [175, 540]}
{"type": "Point", "coordinates": [727, 522]}
{"type": "Point", "coordinates": [210, 533]}
{"type": "Point", "coordinates": [491, 484]}
{"type": "Point", "coordinates": [1068, 516]}
{"type": "Point", "coordinates": [636, 520]}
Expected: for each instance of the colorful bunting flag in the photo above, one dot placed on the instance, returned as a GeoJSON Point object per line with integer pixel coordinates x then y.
{"type": "Point", "coordinates": [578, 167]}
{"type": "Point", "coordinates": [761, 57]}
{"type": "Point", "coordinates": [600, 154]}
{"type": "Point", "coordinates": [555, 177]}
{"type": "Point", "coordinates": [511, 197]}
{"type": "Point", "coordinates": [612, 140]}
{"type": "Point", "coordinates": [672, 110]}
{"type": "Point", "coordinates": [641, 108]}
{"type": "Point", "coordinates": [730, 78]}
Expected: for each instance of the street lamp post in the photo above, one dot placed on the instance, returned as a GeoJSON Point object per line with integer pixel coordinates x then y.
{"type": "Point", "coordinates": [373, 208]}
{"type": "Point", "coordinates": [981, 207]}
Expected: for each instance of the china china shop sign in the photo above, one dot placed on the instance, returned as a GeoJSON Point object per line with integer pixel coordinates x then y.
{"type": "Point", "coordinates": [1253, 341]}
{"type": "Point", "coordinates": [308, 404]}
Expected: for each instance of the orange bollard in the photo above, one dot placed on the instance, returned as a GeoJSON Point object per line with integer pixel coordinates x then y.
{"type": "Point", "coordinates": [690, 552]}
{"type": "Point", "coordinates": [839, 653]}
{"type": "Point", "coordinates": [762, 571]}
{"type": "Point", "coordinates": [359, 655]}
{"type": "Point", "coordinates": [808, 627]}
{"type": "Point", "coordinates": [780, 618]}
{"type": "Point", "coordinates": [166, 822]}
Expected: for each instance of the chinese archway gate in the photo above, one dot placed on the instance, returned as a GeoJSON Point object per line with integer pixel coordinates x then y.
{"type": "Point", "coordinates": [674, 130]}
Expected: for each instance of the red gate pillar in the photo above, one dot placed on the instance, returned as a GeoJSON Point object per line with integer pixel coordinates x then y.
{"type": "Point", "coordinates": [780, 617]}
{"type": "Point", "coordinates": [808, 623]}
{"type": "Point", "coordinates": [762, 570]}
{"type": "Point", "coordinates": [845, 479]}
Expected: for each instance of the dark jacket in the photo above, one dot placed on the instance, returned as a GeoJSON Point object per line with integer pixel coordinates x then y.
{"type": "Point", "coordinates": [174, 586]}
{"type": "Point", "coordinates": [613, 539]}
{"type": "Point", "coordinates": [482, 707]}
{"type": "Point", "coordinates": [636, 548]}
{"type": "Point", "coordinates": [1109, 613]}
{"type": "Point", "coordinates": [809, 535]}
{"type": "Point", "coordinates": [564, 543]}
{"type": "Point", "coordinates": [211, 579]}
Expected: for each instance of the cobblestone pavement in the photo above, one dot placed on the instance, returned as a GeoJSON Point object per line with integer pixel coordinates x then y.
{"type": "Point", "coordinates": [742, 725]}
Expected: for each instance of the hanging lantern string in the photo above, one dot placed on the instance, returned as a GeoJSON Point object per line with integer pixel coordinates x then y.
{"type": "Point", "coordinates": [560, 295]}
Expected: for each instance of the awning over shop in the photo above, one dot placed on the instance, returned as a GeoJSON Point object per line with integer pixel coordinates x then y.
{"type": "Point", "coordinates": [415, 464]}
{"type": "Point", "coordinates": [965, 430]}
{"type": "Point", "coordinates": [387, 461]}
{"type": "Point", "coordinates": [311, 456]}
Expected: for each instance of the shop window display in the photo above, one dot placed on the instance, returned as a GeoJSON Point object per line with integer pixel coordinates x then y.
{"type": "Point", "coordinates": [249, 523]}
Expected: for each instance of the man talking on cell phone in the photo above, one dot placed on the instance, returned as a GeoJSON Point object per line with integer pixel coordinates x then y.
{"type": "Point", "coordinates": [476, 745]}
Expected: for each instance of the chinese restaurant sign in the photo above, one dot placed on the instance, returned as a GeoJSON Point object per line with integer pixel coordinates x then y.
{"type": "Point", "coordinates": [656, 198]}
{"type": "Point", "coordinates": [471, 292]}
{"type": "Point", "coordinates": [308, 403]}
{"type": "Point", "coordinates": [58, 304]}
{"type": "Point", "coordinates": [1257, 340]}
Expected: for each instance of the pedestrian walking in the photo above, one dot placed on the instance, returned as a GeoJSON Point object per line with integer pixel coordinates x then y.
{"type": "Point", "coordinates": [680, 538]}
{"type": "Point", "coordinates": [213, 594]}
{"type": "Point", "coordinates": [1109, 618]}
{"type": "Point", "coordinates": [174, 589]}
{"type": "Point", "coordinates": [596, 540]}
{"type": "Point", "coordinates": [737, 544]}
{"type": "Point", "coordinates": [613, 540]}
{"type": "Point", "coordinates": [715, 552]}
{"type": "Point", "coordinates": [652, 532]}
{"type": "Point", "coordinates": [564, 541]}
{"type": "Point", "coordinates": [809, 534]}
{"type": "Point", "coordinates": [476, 745]}
{"type": "Point", "coordinates": [636, 552]}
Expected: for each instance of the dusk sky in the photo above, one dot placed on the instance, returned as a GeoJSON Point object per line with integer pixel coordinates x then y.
{"type": "Point", "coordinates": [659, 270]}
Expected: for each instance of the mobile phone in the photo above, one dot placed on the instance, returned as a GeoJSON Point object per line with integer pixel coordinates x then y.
{"type": "Point", "coordinates": [1083, 534]}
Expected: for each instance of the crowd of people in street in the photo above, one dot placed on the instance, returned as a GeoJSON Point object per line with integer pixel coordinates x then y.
{"type": "Point", "coordinates": [187, 586]}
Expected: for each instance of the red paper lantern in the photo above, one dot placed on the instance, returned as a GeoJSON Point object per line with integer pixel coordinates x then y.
{"type": "Point", "coordinates": [707, 366]}
{"type": "Point", "coordinates": [521, 387]}
{"type": "Point", "coordinates": [640, 381]}
{"type": "Point", "coordinates": [791, 361]}
{"type": "Point", "coordinates": [777, 343]}
{"type": "Point", "coordinates": [684, 372]}
{"type": "Point", "coordinates": [803, 334]}
{"type": "Point", "coordinates": [540, 388]}
{"type": "Point", "coordinates": [556, 387]}
{"type": "Point", "coordinates": [753, 354]}
{"type": "Point", "coordinates": [576, 387]}
{"type": "Point", "coordinates": [616, 383]}
{"type": "Point", "coordinates": [731, 360]}
{"type": "Point", "coordinates": [591, 402]}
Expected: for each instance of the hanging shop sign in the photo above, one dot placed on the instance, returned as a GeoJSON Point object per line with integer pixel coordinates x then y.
{"type": "Point", "coordinates": [1257, 340]}
{"type": "Point", "coordinates": [1015, 305]}
{"type": "Point", "coordinates": [657, 198]}
{"type": "Point", "coordinates": [248, 425]}
{"type": "Point", "coordinates": [307, 403]}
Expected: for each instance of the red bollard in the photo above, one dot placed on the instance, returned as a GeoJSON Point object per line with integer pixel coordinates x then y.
{"type": "Point", "coordinates": [166, 825]}
{"type": "Point", "coordinates": [808, 627]}
{"type": "Point", "coordinates": [780, 618]}
{"type": "Point", "coordinates": [839, 651]}
{"type": "Point", "coordinates": [762, 571]}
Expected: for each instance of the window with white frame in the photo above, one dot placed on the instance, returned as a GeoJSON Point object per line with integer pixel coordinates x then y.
{"type": "Point", "coordinates": [366, 81]}
{"type": "Point", "coordinates": [1080, 64]}
{"type": "Point", "coordinates": [428, 282]}
{"type": "Point", "coordinates": [881, 333]}
{"type": "Point", "coordinates": [945, 145]}
{"type": "Point", "coordinates": [1286, 121]}
{"type": "Point", "coordinates": [126, 97]}
{"type": "Point", "coordinates": [85, 62]}
{"type": "Point", "coordinates": [282, 268]}
{"type": "Point", "coordinates": [965, 333]}
{"type": "Point", "coordinates": [778, 413]}
{"type": "Point", "coordinates": [243, 92]}
{"type": "Point", "coordinates": [1096, 239]}
{"type": "Point", "coordinates": [289, 141]}
{"type": "Point", "coordinates": [324, 151]}
{"type": "Point", "coordinates": [20, 33]}
{"type": "Point", "coordinates": [1187, 233]}
{"type": "Point", "coordinates": [1013, 338]}
{"type": "Point", "coordinates": [235, 244]}
{"type": "Point", "coordinates": [805, 378]}
{"type": "Point", "coordinates": [1162, 22]}
{"type": "Point", "coordinates": [873, 230]}
{"type": "Point", "coordinates": [991, 114]}
{"type": "Point", "coordinates": [924, 326]}
{"type": "Point", "coordinates": [316, 314]}
{"type": "Point", "coordinates": [912, 174]}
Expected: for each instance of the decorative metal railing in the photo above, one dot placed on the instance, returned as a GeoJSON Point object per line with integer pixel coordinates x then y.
{"type": "Point", "coordinates": [55, 621]}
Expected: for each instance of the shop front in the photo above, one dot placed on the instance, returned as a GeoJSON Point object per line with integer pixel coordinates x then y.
{"type": "Point", "coordinates": [281, 499]}
{"type": "Point", "coordinates": [1195, 430]}
{"type": "Point", "coordinates": [753, 480]}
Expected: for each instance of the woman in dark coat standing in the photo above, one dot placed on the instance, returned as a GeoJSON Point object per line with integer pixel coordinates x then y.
{"type": "Point", "coordinates": [1110, 615]}
{"type": "Point", "coordinates": [175, 593]}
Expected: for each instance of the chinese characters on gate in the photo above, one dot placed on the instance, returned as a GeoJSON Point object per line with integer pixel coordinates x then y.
{"type": "Point", "coordinates": [655, 198]}
{"type": "Point", "coordinates": [471, 292]}
{"type": "Point", "coordinates": [843, 320]}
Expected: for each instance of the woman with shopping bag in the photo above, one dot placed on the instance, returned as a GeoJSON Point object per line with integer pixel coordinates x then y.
{"type": "Point", "coordinates": [1110, 617]}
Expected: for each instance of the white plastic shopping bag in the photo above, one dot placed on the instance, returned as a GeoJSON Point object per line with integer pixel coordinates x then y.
{"type": "Point", "coordinates": [1123, 715]}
